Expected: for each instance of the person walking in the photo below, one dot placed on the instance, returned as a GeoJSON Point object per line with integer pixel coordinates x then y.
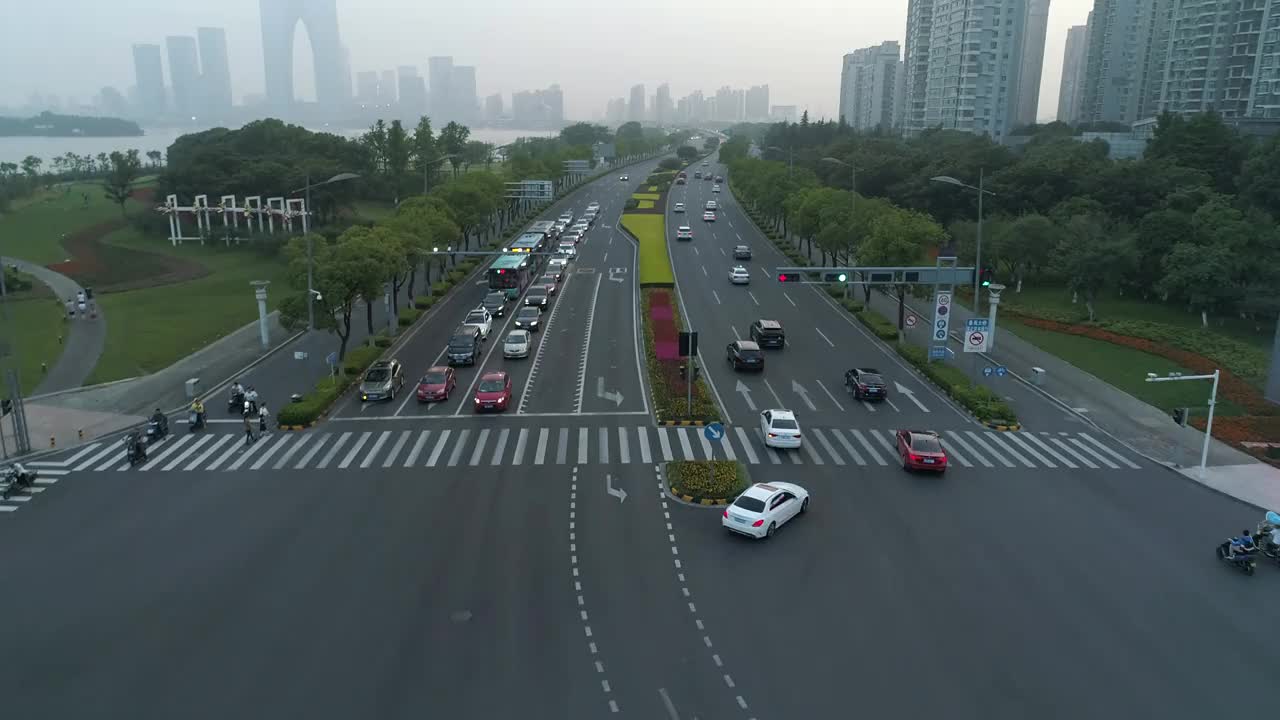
{"type": "Point", "coordinates": [262, 418]}
{"type": "Point", "coordinates": [248, 430]}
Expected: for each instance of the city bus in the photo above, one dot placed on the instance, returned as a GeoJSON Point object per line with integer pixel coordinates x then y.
{"type": "Point", "coordinates": [511, 274]}
{"type": "Point", "coordinates": [546, 227]}
{"type": "Point", "coordinates": [530, 242]}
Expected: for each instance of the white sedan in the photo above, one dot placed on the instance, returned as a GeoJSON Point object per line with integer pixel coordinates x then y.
{"type": "Point", "coordinates": [517, 344]}
{"type": "Point", "coordinates": [739, 276]}
{"type": "Point", "coordinates": [780, 429]}
{"type": "Point", "coordinates": [678, 208]}
{"type": "Point", "coordinates": [764, 507]}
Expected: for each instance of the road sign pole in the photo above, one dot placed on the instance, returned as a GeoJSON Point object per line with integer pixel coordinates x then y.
{"type": "Point", "coordinates": [688, 376]}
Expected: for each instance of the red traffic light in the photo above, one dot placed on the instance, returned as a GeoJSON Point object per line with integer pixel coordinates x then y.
{"type": "Point", "coordinates": [782, 277]}
{"type": "Point", "coordinates": [788, 277]}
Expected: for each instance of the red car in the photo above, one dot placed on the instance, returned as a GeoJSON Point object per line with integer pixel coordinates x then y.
{"type": "Point", "coordinates": [436, 384]}
{"type": "Point", "coordinates": [494, 392]}
{"type": "Point", "coordinates": [921, 450]}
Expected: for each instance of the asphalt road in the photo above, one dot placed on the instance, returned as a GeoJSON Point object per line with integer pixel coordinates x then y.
{"type": "Point", "coordinates": [823, 340]}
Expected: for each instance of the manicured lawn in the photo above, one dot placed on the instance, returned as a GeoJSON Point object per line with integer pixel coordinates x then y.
{"type": "Point", "coordinates": [644, 205]}
{"type": "Point", "coordinates": [150, 328]}
{"type": "Point", "coordinates": [33, 230]}
{"type": "Point", "coordinates": [655, 265]}
{"type": "Point", "coordinates": [1123, 368]}
{"type": "Point", "coordinates": [645, 196]}
{"type": "Point", "coordinates": [36, 325]}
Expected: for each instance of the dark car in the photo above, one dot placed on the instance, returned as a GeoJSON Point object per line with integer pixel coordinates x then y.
{"type": "Point", "coordinates": [744, 355]}
{"type": "Point", "coordinates": [529, 318]}
{"type": "Point", "coordinates": [866, 384]}
{"type": "Point", "coordinates": [768, 333]}
{"type": "Point", "coordinates": [741, 252]}
{"type": "Point", "coordinates": [464, 346]}
{"type": "Point", "coordinates": [537, 296]}
{"type": "Point", "coordinates": [719, 178]}
{"type": "Point", "coordinates": [495, 303]}
{"type": "Point", "coordinates": [697, 174]}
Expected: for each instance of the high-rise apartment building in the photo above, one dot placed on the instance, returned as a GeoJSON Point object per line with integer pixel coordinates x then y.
{"type": "Point", "coordinates": [1222, 56]}
{"type": "Point", "coordinates": [1028, 95]}
{"type": "Point", "coordinates": [616, 112]}
{"type": "Point", "coordinates": [367, 87]}
{"type": "Point", "coordinates": [462, 93]}
{"type": "Point", "coordinates": [412, 92]}
{"type": "Point", "coordinates": [149, 77]}
{"type": "Point", "coordinates": [757, 104]}
{"type": "Point", "coordinates": [662, 104]}
{"type": "Point", "coordinates": [977, 53]}
{"type": "Point", "coordinates": [493, 109]}
{"type": "Point", "coordinates": [1127, 40]}
{"type": "Point", "coordinates": [387, 88]}
{"type": "Point", "coordinates": [870, 84]}
{"type": "Point", "coordinates": [635, 108]}
{"type": "Point", "coordinates": [698, 107]}
{"type": "Point", "coordinates": [1071, 90]}
{"type": "Point", "coordinates": [184, 75]}
{"type": "Point", "coordinates": [215, 71]}
{"type": "Point", "coordinates": [344, 76]}
{"type": "Point", "coordinates": [440, 80]}
{"type": "Point", "coordinates": [915, 64]}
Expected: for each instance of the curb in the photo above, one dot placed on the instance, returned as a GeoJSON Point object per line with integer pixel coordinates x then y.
{"type": "Point", "coordinates": [682, 423]}
{"type": "Point", "coordinates": [1004, 428]}
{"type": "Point", "coordinates": [695, 500]}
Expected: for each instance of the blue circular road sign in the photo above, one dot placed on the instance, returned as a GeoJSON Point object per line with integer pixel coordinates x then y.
{"type": "Point", "coordinates": [714, 431]}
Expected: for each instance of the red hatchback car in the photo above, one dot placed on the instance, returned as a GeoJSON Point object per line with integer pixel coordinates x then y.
{"type": "Point", "coordinates": [921, 450]}
{"type": "Point", "coordinates": [494, 392]}
{"type": "Point", "coordinates": [436, 384]}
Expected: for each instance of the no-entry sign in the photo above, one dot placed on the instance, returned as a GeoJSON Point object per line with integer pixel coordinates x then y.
{"type": "Point", "coordinates": [976, 341]}
{"type": "Point", "coordinates": [911, 320]}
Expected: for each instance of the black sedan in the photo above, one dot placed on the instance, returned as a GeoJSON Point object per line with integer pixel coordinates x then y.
{"type": "Point", "coordinates": [866, 384]}
{"type": "Point", "coordinates": [744, 355]}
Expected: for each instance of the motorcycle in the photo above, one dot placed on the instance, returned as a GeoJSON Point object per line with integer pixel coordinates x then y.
{"type": "Point", "coordinates": [1244, 556]}
{"type": "Point", "coordinates": [156, 430]}
{"type": "Point", "coordinates": [195, 421]}
{"type": "Point", "coordinates": [15, 483]}
{"type": "Point", "coordinates": [235, 403]}
{"type": "Point", "coordinates": [136, 452]}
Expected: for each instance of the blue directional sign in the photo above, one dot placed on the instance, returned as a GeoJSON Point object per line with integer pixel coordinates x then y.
{"type": "Point", "coordinates": [977, 325]}
{"type": "Point", "coordinates": [714, 432]}
{"type": "Point", "coordinates": [331, 358]}
{"type": "Point", "coordinates": [937, 353]}
{"type": "Point", "coordinates": [987, 371]}
{"type": "Point", "coordinates": [1001, 371]}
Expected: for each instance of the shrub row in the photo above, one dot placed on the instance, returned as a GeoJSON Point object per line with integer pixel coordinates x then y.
{"type": "Point", "coordinates": [983, 403]}
{"type": "Point", "coordinates": [879, 325]}
{"type": "Point", "coordinates": [717, 480]}
{"type": "Point", "coordinates": [314, 403]}
{"type": "Point", "coordinates": [670, 393]}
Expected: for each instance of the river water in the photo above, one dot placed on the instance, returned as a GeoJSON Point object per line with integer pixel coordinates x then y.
{"type": "Point", "coordinates": [14, 149]}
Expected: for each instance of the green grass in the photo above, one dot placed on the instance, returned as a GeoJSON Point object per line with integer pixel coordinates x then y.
{"type": "Point", "coordinates": [645, 196]}
{"type": "Point", "coordinates": [644, 205]}
{"type": "Point", "coordinates": [1122, 367]}
{"type": "Point", "coordinates": [151, 328]}
{"type": "Point", "coordinates": [1057, 300]}
{"type": "Point", "coordinates": [35, 326]}
{"type": "Point", "coordinates": [655, 264]}
{"type": "Point", "coordinates": [32, 231]}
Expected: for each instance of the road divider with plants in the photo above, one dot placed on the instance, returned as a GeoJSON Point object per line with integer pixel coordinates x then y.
{"type": "Point", "coordinates": [711, 482]}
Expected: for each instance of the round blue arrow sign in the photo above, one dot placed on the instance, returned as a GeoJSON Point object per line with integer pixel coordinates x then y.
{"type": "Point", "coordinates": [714, 431]}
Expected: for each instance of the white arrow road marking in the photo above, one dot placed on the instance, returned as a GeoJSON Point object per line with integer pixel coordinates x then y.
{"type": "Point", "coordinates": [910, 396]}
{"type": "Point", "coordinates": [618, 493]}
{"type": "Point", "coordinates": [798, 389]}
{"type": "Point", "coordinates": [616, 397]}
{"type": "Point", "coordinates": [746, 395]}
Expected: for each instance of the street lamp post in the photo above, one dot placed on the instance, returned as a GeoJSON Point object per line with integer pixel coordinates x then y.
{"type": "Point", "coordinates": [306, 232]}
{"type": "Point", "coordinates": [426, 170]}
{"type": "Point", "coordinates": [1213, 401]}
{"type": "Point", "coordinates": [977, 262]}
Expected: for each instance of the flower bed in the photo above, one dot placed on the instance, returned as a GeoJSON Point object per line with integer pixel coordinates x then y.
{"type": "Point", "coordinates": [714, 482]}
{"type": "Point", "coordinates": [661, 339]}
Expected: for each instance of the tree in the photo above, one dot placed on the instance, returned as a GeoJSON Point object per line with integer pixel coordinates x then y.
{"type": "Point", "coordinates": [900, 238]}
{"type": "Point", "coordinates": [1092, 255]}
{"type": "Point", "coordinates": [584, 134]}
{"type": "Point", "coordinates": [31, 165]}
{"type": "Point", "coordinates": [104, 162]}
{"type": "Point", "coordinates": [397, 156]}
{"type": "Point", "coordinates": [428, 221]}
{"type": "Point", "coordinates": [375, 140]}
{"type": "Point", "coordinates": [711, 143]}
{"type": "Point", "coordinates": [1202, 142]}
{"type": "Point", "coordinates": [670, 164]}
{"type": "Point", "coordinates": [453, 140]}
{"type": "Point", "coordinates": [1026, 244]}
{"type": "Point", "coordinates": [471, 197]}
{"type": "Point", "coordinates": [423, 150]}
{"type": "Point", "coordinates": [154, 156]}
{"type": "Point", "coordinates": [1154, 238]}
{"type": "Point", "coordinates": [687, 153]}
{"type": "Point", "coordinates": [1260, 177]}
{"type": "Point", "coordinates": [125, 168]}
{"type": "Point", "coordinates": [477, 151]}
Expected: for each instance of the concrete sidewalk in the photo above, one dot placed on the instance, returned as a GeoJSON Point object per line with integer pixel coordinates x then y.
{"type": "Point", "coordinates": [83, 337]}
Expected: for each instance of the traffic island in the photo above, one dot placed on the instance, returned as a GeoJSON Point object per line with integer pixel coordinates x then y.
{"type": "Point", "coordinates": [706, 482]}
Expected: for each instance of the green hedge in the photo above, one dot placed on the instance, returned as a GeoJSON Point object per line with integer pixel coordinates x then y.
{"type": "Point", "coordinates": [720, 480]}
{"type": "Point", "coordinates": [853, 306]}
{"type": "Point", "coordinates": [456, 276]}
{"type": "Point", "coordinates": [878, 324]}
{"type": "Point", "coordinates": [441, 287]}
{"type": "Point", "coordinates": [313, 403]}
{"type": "Point", "coordinates": [424, 302]}
{"type": "Point", "coordinates": [631, 204]}
{"type": "Point", "coordinates": [358, 359]}
{"type": "Point", "coordinates": [982, 402]}
{"type": "Point", "coordinates": [408, 316]}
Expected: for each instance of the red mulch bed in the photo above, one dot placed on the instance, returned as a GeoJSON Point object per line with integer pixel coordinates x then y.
{"type": "Point", "coordinates": [666, 338]}
{"type": "Point", "coordinates": [107, 268]}
{"type": "Point", "coordinates": [144, 195]}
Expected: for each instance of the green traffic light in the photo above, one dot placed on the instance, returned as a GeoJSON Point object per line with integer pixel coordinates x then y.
{"type": "Point", "coordinates": [842, 277]}
{"type": "Point", "coordinates": [985, 283]}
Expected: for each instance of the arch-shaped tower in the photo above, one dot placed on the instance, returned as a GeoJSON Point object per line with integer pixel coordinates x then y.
{"type": "Point", "coordinates": [320, 19]}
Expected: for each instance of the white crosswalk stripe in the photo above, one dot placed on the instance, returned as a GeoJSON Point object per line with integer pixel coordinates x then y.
{"type": "Point", "coordinates": [608, 445]}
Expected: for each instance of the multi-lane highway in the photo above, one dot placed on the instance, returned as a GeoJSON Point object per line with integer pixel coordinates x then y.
{"type": "Point", "coordinates": [402, 560]}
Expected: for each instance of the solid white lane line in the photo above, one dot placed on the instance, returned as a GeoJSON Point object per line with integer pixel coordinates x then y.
{"type": "Point", "coordinates": [312, 452]}
{"type": "Point", "coordinates": [871, 452]}
{"type": "Point", "coordinates": [829, 447]}
{"type": "Point", "coordinates": [500, 447]}
{"type": "Point", "coordinates": [1067, 448]}
{"type": "Point", "coordinates": [586, 346]}
{"type": "Point", "coordinates": [351, 455]}
{"type": "Point", "coordinates": [1109, 451]}
{"type": "Point", "coordinates": [645, 456]}
{"type": "Point", "coordinates": [480, 443]}
{"type": "Point", "coordinates": [417, 448]}
{"type": "Point", "coordinates": [1030, 437]}
{"type": "Point", "coordinates": [828, 392]}
{"type": "Point", "coordinates": [293, 449]}
{"type": "Point", "coordinates": [458, 447]}
{"type": "Point", "coordinates": [746, 446]}
{"type": "Point", "coordinates": [281, 442]}
{"type": "Point", "coordinates": [1015, 440]}
{"type": "Point", "coordinates": [395, 449]}
{"type": "Point", "coordinates": [955, 439]}
{"type": "Point", "coordinates": [377, 447]}
{"type": "Point", "coordinates": [439, 448]}
{"type": "Point", "coordinates": [664, 443]}
{"type": "Point", "coordinates": [333, 451]}
{"type": "Point", "coordinates": [683, 436]}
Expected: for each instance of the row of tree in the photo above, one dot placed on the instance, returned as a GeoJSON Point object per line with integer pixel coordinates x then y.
{"type": "Point", "coordinates": [1191, 222]}
{"type": "Point", "coordinates": [117, 170]}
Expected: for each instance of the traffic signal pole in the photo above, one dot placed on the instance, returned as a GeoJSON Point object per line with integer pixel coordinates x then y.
{"type": "Point", "coordinates": [1213, 401]}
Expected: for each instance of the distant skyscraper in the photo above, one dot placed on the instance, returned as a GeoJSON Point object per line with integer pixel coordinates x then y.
{"type": "Point", "coordinates": [215, 71]}
{"type": "Point", "coordinates": [553, 99]}
{"type": "Point", "coordinates": [367, 87]}
{"type": "Point", "coordinates": [149, 75]}
{"type": "Point", "coordinates": [726, 106]}
{"type": "Point", "coordinates": [344, 75]}
{"type": "Point", "coordinates": [697, 107]}
{"type": "Point", "coordinates": [635, 108]}
{"type": "Point", "coordinates": [387, 88]}
{"type": "Point", "coordinates": [440, 81]}
{"type": "Point", "coordinates": [783, 113]}
{"type": "Point", "coordinates": [493, 109]}
{"type": "Point", "coordinates": [1221, 56]}
{"type": "Point", "coordinates": [1070, 91]}
{"type": "Point", "coordinates": [1032, 62]}
{"type": "Point", "coordinates": [184, 75]}
{"type": "Point", "coordinates": [320, 17]}
{"type": "Point", "coordinates": [757, 109]}
{"type": "Point", "coordinates": [616, 112]}
{"type": "Point", "coordinates": [869, 83]}
{"type": "Point", "coordinates": [915, 64]}
{"type": "Point", "coordinates": [462, 93]}
{"type": "Point", "coordinates": [412, 91]}
{"type": "Point", "coordinates": [661, 103]}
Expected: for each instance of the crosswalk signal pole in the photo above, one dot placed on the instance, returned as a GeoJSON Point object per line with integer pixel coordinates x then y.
{"type": "Point", "coordinates": [1213, 401]}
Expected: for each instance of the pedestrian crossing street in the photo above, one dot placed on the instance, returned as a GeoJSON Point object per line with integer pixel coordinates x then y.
{"type": "Point", "coordinates": [491, 447]}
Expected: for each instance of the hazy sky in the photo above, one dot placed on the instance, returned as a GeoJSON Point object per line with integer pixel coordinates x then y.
{"type": "Point", "coordinates": [595, 50]}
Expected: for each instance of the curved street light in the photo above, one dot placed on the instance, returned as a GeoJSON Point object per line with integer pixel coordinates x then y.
{"type": "Point", "coordinates": [977, 261]}
{"type": "Point", "coordinates": [306, 232]}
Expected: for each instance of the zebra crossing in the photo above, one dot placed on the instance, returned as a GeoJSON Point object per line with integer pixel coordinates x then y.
{"type": "Point", "coordinates": [492, 447]}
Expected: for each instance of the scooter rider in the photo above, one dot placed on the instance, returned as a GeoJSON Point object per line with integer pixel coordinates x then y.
{"type": "Point", "coordinates": [162, 422]}
{"type": "Point", "coordinates": [237, 396]}
{"type": "Point", "coordinates": [197, 407]}
{"type": "Point", "coordinates": [21, 477]}
{"type": "Point", "coordinates": [1241, 546]}
{"type": "Point", "coordinates": [135, 446]}
{"type": "Point", "coordinates": [1269, 532]}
